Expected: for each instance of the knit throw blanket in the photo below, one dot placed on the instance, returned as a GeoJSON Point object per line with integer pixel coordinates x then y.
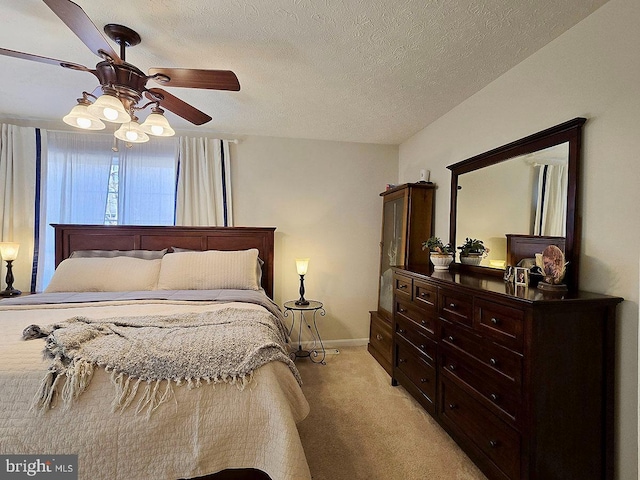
{"type": "Point", "coordinates": [147, 354]}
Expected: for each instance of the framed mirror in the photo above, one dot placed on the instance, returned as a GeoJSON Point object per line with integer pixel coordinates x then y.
{"type": "Point", "coordinates": [525, 191]}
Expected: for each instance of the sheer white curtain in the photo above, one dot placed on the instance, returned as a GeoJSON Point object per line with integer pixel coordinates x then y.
{"type": "Point", "coordinates": [147, 186]}
{"type": "Point", "coordinates": [77, 179]}
{"type": "Point", "coordinates": [204, 183]}
{"type": "Point", "coordinates": [551, 207]}
{"type": "Point", "coordinates": [20, 149]}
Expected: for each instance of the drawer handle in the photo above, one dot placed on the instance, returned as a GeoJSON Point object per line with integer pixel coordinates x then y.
{"type": "Point", "coordinates": [424, 294]}
{"type": "Point", "coordinates": [495, 320]}
{"type": "Point", "coordinates": [402, 286]}
{"type": "Point", "coordinates": [424, 380]}
{"type": "Point", "coordinates": [378, 337]}
{"type": "Point", "coordinates": [494, 397]}
{"type": "Point", "coordinates": [401, 360]}
{"type": "Point", "coordinates": [423, 321]}
{"type": "Point", "coordinates": [453, 406]}
{"type": "Point", "coordinates": [450, 338]}
{"type": "Point", "coordinates": [453, 306]}
{"type": "Point", "coordinates": [400, 330]}
{"type": "Point", "coordinates": [452, 367]}
{"type": "Point", "coordinates": [493, 443]}
{"type": "Point", "coordinates": [493, 362]}
{"type": "Point", "coordinates": [423, 347]}
{"type": "Point", "coordinates": [401, 310]}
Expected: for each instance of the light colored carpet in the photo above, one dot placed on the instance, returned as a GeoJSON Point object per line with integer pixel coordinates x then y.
{"type": "Point", "coordinates": [360, 427]}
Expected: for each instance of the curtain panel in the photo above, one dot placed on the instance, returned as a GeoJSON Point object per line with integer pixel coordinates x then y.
{"type": "Point", "coordinates": [20, 154]}
{"type": "Point", "coordinates": [147, 182]}
{"type": "Point", "coordinates": [203, 196]}
{"type": "Point", "coordinates": [551, 206]}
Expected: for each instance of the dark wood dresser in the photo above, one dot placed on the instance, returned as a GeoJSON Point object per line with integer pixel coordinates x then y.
{"type": "Point", "coordinates": [523, 381]}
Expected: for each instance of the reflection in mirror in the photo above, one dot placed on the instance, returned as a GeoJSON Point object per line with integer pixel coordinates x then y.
{"type": "Point", "coordinates": [527, 189]}
{"type": "Point", "coordinates": [525, 195]}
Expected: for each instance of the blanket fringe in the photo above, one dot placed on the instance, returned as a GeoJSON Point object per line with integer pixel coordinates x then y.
{"type": "Point", "coordinates": [71, 381]}
{"type": "Point", "coordinates": [76, 378]}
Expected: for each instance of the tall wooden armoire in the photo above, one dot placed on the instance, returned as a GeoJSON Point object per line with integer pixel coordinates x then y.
{"type": "Point", "coordinates": [407, 221]}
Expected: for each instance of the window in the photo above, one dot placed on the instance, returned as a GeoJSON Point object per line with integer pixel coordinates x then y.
{"type": "Point", "coordinates": [111, 210]}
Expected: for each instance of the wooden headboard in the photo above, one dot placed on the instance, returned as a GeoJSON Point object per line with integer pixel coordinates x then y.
{"type": "Point", "coordinates": [526, 246]}
{"type": "Point", "coordinates": [70, 238]}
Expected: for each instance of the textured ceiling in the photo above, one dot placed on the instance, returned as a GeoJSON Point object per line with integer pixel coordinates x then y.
{"type": "Point", "coordinates": [355, 70]}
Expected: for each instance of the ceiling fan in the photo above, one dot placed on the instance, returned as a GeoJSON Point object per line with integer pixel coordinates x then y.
{"type": "Point", "coordinates": [123, 85]}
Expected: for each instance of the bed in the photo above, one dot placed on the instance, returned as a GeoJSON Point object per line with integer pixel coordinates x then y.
{"type": "Point", "coordinates": [240, 425]}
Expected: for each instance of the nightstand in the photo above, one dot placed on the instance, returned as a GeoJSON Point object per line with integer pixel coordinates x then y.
{"type": "Point", "coordinates": [313, 309]}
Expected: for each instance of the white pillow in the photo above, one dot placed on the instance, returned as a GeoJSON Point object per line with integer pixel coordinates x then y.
{"type": "Point", "coordinates": [209, 270]}
{"type": "Point", "coordinates": [116, 274]}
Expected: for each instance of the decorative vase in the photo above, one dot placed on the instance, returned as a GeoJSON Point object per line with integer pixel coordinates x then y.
{"type": "Point", "coordinates": [441, 261]}
{"type": "Point", "coordinates": [471, 259]}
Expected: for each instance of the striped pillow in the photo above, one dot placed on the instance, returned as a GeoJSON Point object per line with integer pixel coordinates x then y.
{"type": "Point", "coordinates": [209, 270]}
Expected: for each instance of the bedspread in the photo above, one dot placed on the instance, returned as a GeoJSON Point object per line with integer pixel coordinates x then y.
{"type": "Point", "coordinates": [200, 431]}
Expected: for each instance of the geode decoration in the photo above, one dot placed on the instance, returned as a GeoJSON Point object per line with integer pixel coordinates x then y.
{"type": "Point", "coordinates": [554, 267]}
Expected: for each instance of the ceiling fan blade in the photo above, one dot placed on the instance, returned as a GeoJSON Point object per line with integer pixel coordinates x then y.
{"type": "Point", "coordinates": [177, 106]}
{"type": "Point", "coordinates": [77, 20]}
{"type": "Point", "coordinates": [38, 58]}
{"type": "Point", "coordinates": [194, 78]}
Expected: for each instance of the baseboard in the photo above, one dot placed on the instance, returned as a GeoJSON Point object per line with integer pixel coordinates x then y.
{"type": "Point", "coordinates": [335, 344]}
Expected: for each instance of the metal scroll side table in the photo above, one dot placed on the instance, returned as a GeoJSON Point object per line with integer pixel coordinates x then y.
{"type": "Point", "coordinates": [315, 354]}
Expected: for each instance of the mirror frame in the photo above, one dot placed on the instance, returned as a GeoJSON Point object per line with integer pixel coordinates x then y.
{"type": "Point", "coordinates": [571, 132]}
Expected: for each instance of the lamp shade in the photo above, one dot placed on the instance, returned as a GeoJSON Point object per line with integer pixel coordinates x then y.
{"type": "Point", "coordinates": [9, 251]}
{"type": "Point", "coordinates": [80, 117]}
{"type": "Point", "coordinates": [156, 124]}
{"type": "Point", "coordinates": [109, 108]}
{"type": "Point", "coordinates": [302, 264]}
{"type": "Point", "coordinates": [132, 133]}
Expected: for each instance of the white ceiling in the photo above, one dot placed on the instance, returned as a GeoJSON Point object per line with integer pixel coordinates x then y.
{"type": "Point", "coordinates": [372, 71]}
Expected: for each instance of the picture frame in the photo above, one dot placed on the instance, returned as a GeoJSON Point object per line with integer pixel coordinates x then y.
{"type": "Point", "coordinates": [509, 274]}
{"type": "Point", "coordinates": [522, 276]}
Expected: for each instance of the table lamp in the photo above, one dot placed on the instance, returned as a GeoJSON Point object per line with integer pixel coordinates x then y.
{"type": "Point", "coordinates": [302, 264]}
{"type": "Point", "coordinates": [9, 252]}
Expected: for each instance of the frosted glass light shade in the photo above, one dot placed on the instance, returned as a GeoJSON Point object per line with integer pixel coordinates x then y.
{"type": "Point", "coordinates": [9, 251]}
{"type": "Point", "coordinates": [109, 108]}
{"type": "Point", "coordinates": [80, 117]}
{"type": "Point", "coordinates": [132, 133]}
{"type": "Point", "coordinates": [302, 264]}
{"type": "Point", "coordinates": [156, 124]}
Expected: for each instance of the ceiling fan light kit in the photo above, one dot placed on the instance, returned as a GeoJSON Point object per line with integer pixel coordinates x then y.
{"type": "Point", "coordinates": [131, 132]}
{"type": "Point", "coordinates": [109, 108]}
{"type": "Point", "coordinates": [157, 124]}
{"type": "Point", "coordinates": [124, 85]}
{"type": "Point", "coordinates": [80, 117]}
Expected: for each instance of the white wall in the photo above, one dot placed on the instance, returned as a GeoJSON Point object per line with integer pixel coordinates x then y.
{"type": "Point", "coordinates": [323, 197]}
{"type": "Point", "coordinates": [593, 71]}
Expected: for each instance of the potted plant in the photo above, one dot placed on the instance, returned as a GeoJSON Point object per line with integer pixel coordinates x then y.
{"type": "Point", "coordinates": [441, 255]}
{"type": "Point", "coordinates": [472, 251]}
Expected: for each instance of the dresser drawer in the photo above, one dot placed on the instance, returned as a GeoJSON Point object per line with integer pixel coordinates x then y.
{"type": "Point", "coordinates": [499, 442]}
{"type": "Point", "coordinates": [499, 361]}
{"type": "Point", "coordinates": [425, 296]}
{"type": "Point", "coordinates": [421, 373]}
{"type": "Point", "coordinates": [456, 307]}
{"type": "Point", "coordinates": [503, 324]}
{"type": "Point", "coordinates": [402, 286]}
{"type": "Point", "coordinates": [409, 310]}
{"type": "Point", "coordinates": [412, 333]}
{"type": "Point", "coordinates": [380, 336]}
{"type": "Point", "coordinates": [502, 398]}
